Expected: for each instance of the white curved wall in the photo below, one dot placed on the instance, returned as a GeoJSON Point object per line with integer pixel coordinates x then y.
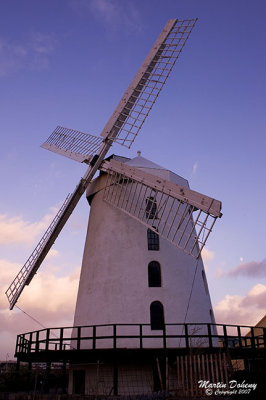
{"type": "Point", "coordinates": [114, 277]}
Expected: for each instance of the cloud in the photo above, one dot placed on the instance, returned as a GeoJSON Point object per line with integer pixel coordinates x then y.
{"type": "Point", "coordinates": [256, 297]}
{"type": "Point", "coordinates": [245, 310]}
{"type": "Point", "coordinates": [78, 223]}
{"type": "Point", "coordinates": [17, 230]}
{"type": "Point", "coordinates": [113, 14]}
{"type": "Point", "coordinates": [195, 168]}
{"type": "Point", "coordinates": [49, 299]}
{"type": "Point", "coordinates": [52, 253]}
{"type": "Point", "coordinates": [251, 269]}
{"type": "Point", "coordinates": [207, 254]}
{"type": "Point", "coordinates": [32, 53]}
{"type": "Point", "coordinates": [106, 9]}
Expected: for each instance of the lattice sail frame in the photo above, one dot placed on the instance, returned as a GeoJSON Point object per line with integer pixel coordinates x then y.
{"type": "Point", "coordinates": [156, 204]}
{"type": "Point", "coordinates": [78, 146]}
{"type": "Point", "coordinates": [26, 273]}
{"type": "Point", "coordinates": [143, 91]}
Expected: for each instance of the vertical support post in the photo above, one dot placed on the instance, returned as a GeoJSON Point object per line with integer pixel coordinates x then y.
{"type": "Point", "coordinates": [47, 339]}
{"type": "Point", "coordinates": [159, 373]}
{"type": "Point", "coordinates": [225, 370]}
{"type": "Point", "coordinates": [182, 365]}
{"type": "Point", "coordinates": [166, 374]}
{"type": "Point", "coordinates": [47, 377]}
{"type": "Point", "coordinates": [94, 337]}
{"type": "Point", "coordinates": [225, 337]}
{"type": "Point", "coordinates": [186, 336]}
{"type": "Point", "coordinates": [17, 364]}
{"type": "Point", "coordinates": [61, 339]}
{"type": "Point", "coordinates": [210, 335]}
{"type": "Point", "coordinates": [78, 338]}
{"type": "Point", "coordinates": [37, 345]}
{"type": "Point", "coordinates": [239, 336]}
{"type": "Point", "coordinates": [177, 372]}
{"type": "Point", "coordinates": [29, 343]}
{"type": "Point", "coordinates": [140, 337]}
{"type": "Point", "coordinates": [115, 382]}
{"type": "Point", "coordinates": [65, 378]}
{"type": "Point", "coordinates": [114, 336]}
{"type": "Point", "coordinates": [29, 376]}
{"type": "Point", "coordinates": [264, 337]}
{"type": "Point", "coordinates": [18, 344]}
{"type": "Point", "coordinates": [212, 369]}
{"type": "Point", "coordinates": [252, 338]}
{"type": "Point", "coordinates": [164, 337]}
{"type": "Point", "coordinates": [17, 374]}
{"type": "Point", "coordinates": [190, 379]}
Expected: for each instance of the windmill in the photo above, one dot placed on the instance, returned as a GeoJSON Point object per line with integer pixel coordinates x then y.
{"type": "Point", "coordinates": [185, 217]}
{"type": "Point", "coordinates": [138, 328]}
{"type": "Point", "coordinates": [141, 198]}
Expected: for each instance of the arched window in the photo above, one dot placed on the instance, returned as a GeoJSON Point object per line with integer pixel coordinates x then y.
{"type": "Point", "coordinates": [157, 315]}
{"type": "Point", "coordinates": [151, 208]}
{"type": "Point", "coordinates": [154, 274]}
{"type": "Point", "coordinates": [153, 240]}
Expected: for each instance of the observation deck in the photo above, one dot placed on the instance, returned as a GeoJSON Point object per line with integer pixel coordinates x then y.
{"type": "Point", "coordinates": [87, 343]}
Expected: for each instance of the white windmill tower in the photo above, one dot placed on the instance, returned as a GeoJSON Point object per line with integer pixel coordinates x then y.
{"type": "Point", "coordinates": [135, 262]}
{"type": "Point", "coordinates": [142, 262]}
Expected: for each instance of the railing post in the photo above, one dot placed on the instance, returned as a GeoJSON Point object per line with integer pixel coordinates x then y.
{"type": "Point", "coordinates": [210, 335]}
{"type": "Point", "coordinates": [252, 337]}
{"type": "Point", "coordinates": [94, 337]}
{"type": "Point", "coordinates": [186, 336]}
{"type": "Point", "coordinates": [164, 337]}
{"type": "Point", "coordinates": [47, 339]}
{"type": "Point", "coordinates": [78, 338]}
{"type": "Point", "coordinates": [114, 334]}
{"type": "Point", "coordinates": [115, 365]}
{"type": "Point", "coordinates": [239, 336]}
{"type": "Point", "coordinates": [61, 339]}
{"type": "Point", "coordinates": [37, 346]}
{"type": "Point", "coordinates": [140, 337]}
{"type": "Point", "coordinates": [30, 343]}
{"type": "Point", "coordinates": [264, 337]}
{"type": "Point", "coordinates": [18, 350]}
{"type": "Point", "coordinates": [225, 336]}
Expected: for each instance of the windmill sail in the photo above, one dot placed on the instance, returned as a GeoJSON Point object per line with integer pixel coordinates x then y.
{"type": "Point", "coordinates": [78, 146]}
{"type": "Point", "coordinates": [123, 126]}
{"type": "Point", "coordinates": [30, 267]}
{"type": "Point", "coordinates": [143, 91]}
{"type": "Point", "coordinates": [180, 215]}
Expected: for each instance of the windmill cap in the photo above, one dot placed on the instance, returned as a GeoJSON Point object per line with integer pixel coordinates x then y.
{"type": "Point", "coordinates": [142, 164]}
{"type": "Point", "coordinates": [155, 169]}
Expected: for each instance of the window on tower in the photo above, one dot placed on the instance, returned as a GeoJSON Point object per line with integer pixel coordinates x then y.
{"type": "Point", "coordinates": [151, 208]}
{"type": "Point", "coordinates": [154, 274]}
{"type": "Point", "coordinates": [153, 240]}
{"type": "Point", "coordinates": [157, 315]}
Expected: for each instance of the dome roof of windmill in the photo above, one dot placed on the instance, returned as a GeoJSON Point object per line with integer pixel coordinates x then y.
{"type": "Point", "coordinates": [155, 169]}
{"type": "Point", "coordinates": [143, 164]}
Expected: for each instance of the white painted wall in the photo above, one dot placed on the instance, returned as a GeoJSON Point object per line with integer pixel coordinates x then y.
{"type": "Point", "coordinates": [113, 286]}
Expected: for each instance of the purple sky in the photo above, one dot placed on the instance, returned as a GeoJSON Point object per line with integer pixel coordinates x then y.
{"type": "Point", "coordinates": [68, 62]}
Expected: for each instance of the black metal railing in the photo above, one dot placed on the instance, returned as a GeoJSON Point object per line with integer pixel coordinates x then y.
{"type": "Point", "coordinates": [141, 336]}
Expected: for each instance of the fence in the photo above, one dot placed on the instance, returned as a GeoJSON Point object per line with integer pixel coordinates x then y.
{"type": "Point", "coordinates": [141, 336]}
